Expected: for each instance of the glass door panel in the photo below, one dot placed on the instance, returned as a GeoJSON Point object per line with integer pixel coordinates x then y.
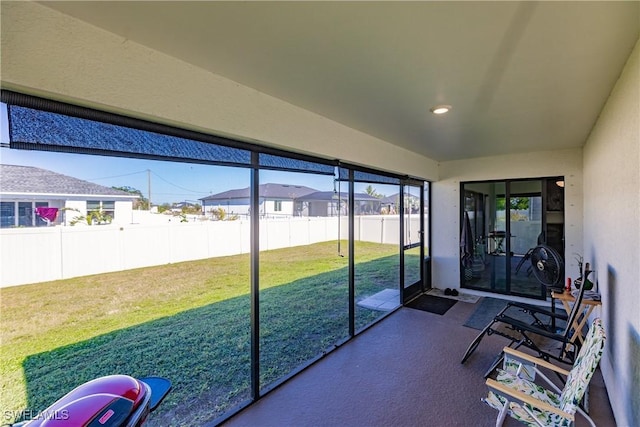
{"type": "Point", "coordinates": [412, 240]}
{"type": "Point", "coordinates": [498, 241]}
{"type": "Point", "coordinates": [484, 211]}
{"type": "Point", "coordinates": [304, 282]}
{"type": "Point", "coordinates": [376, 250]}
{"type": "Point", "coordinates": [525, 225]}
{"type": "Point", "coordinates": [473, 219]}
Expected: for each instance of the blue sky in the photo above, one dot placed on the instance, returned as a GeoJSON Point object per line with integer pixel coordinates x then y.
{"type": "Point", "coordinates": [170, 181]}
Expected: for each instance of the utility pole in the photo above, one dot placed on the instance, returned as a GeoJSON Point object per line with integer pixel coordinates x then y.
{"type": "Point", "coordinates": [149, 187]}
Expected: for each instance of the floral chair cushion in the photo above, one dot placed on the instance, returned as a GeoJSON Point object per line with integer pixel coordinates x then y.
{"type": "Point", "coordinates": [516, 410]}
{"type": "Point", "coordinates": [583, 368]}
{"type": "Point", "coordinates": [574, 389]}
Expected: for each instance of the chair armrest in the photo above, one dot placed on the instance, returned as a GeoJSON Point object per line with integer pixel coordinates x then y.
{"type": "Point", "coordinates": [503, 390]}
{"type": "Point", "coordinates": [534, 360]}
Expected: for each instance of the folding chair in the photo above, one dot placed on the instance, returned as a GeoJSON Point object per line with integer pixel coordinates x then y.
{"type": "Point", "coordinates": [519, 332]}
{"type": "Point", "coordinates": [514, 393]}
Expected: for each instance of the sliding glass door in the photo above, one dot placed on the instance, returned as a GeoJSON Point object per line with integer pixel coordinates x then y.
{"type": "Point", "coordinates": [502, 221]}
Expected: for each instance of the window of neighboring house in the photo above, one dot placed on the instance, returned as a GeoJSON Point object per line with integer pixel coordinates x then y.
{"type": "Point", "coordinates": [107, 208]}
{"type": "Point", "coordinates": [25, 214]}
{"type": "Point", "coordinates": [39, 221]}
{"type": "Point", "coordinates": [7, 214]}
{"type": "Point", "coordinates": [277, 206]}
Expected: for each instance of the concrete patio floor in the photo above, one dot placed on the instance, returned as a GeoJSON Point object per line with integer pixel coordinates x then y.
{"type": "Point", "coordinates": [404, 371]}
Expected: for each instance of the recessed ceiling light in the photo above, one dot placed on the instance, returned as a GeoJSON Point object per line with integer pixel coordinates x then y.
{"type": "Point", "coordinates": [441, 109]}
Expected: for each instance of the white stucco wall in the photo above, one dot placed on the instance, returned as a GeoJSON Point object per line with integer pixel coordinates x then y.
{"type": "Point", "coordinates": [445, 199]}
{"type": "Point", "coordinates": [76, 208]}
{"type": "Point", "coordinates": [123, 212]}
{"type": "Point", "coordinates": [612, 236]}
{"type": "Point", "coordinates": [49, 54]}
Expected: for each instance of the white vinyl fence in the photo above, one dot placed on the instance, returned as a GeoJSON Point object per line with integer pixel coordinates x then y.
{"type": "Point", "coordinates": [32, 255]}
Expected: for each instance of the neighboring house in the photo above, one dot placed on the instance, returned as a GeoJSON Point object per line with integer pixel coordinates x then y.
{"type": "Point", "coordinates": [391, 204]}
{"type": "Point", "coordinates": [34, 197]}
{"type": "Point", "coordinates": [325, 203]}
{"type": "Point", "coordinates": [276, 200]}
{"type": "Point", "coordinates": [182, 206]}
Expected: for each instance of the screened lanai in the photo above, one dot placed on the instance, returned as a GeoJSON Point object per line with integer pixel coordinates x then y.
{"type": "Point", "coordinates": [538, 92]}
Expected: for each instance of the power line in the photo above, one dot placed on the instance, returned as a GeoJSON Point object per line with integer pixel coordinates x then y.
{"type": "Point", "coordinates": [178, 186]}
{"type": "Point", "coordinates": [117, 176]}
{"type": "Point", "coordinates": [155, 174]}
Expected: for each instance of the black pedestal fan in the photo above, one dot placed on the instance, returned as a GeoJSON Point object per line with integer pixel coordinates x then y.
{"type": "Point", "coordinates": [547, 266]}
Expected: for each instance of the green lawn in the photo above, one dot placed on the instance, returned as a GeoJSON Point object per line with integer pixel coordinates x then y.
{"type": "Point", "coordinates": [186, 321]}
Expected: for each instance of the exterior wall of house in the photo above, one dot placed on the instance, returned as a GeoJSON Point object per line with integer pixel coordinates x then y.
{"type": "Point", "coordinates": [75, 209]}
{"type": "Point", "coordinates": [241, 207]}
{"type": "Point", "coordinates": [123, 211]}
{"type": "Point", "coordinates": [445, 199]}
{"type": "Point", "coordinates": [90, 66]}
{"type": "Point", "coordinates": [232, 207]}
{"type": "Point", "coordinates": [612, 236]}
{"type": "Point", "coordinates": [272, 209]}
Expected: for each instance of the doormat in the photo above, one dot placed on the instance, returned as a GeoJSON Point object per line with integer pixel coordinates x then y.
{"type": "Point", "coordinates": [489, 307]}
{"type": "Point", "coordinates": [432, 304]}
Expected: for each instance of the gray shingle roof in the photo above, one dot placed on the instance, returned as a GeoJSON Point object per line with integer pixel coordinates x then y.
{"type": "Point", "coordinates": [330, 195]}
{"type": "Point", "coordinates": [271, 191]}
{"type": "Point", "coordinates": [395, 198]}
{"type": "Point", "coordinates": [29, 179]}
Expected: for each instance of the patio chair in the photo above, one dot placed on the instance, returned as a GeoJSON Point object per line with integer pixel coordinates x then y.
{"type": "Point", "coordinates": [520, 332]}
{"type": "Point", "coordinates": [517, 395]}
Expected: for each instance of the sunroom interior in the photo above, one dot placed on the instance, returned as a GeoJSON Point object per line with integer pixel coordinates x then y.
{"type": "Point", "coordinates": [539, 93]}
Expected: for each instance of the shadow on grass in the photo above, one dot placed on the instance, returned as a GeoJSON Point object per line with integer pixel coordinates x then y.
{"type": "Point", "coordinates": [205, 351]}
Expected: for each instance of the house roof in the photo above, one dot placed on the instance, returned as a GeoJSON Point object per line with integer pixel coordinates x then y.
{"type": "Point", "coordinates": [330, 195]}
{"type": "Point", "coordinates": [394, 198]}
{"type": "Point", "coordinates": [269, 191]}
{"type": "Point", "coordinates": [31, 180]}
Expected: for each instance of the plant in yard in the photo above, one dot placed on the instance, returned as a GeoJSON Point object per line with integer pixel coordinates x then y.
{"type": "Point", "coordinates": [219, 214]}
{"type": "Point", "coordinates": [95, 217]}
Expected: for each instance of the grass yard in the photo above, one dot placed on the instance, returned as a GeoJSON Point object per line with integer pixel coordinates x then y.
{"type": "Point", "coordinates": [187, 321]}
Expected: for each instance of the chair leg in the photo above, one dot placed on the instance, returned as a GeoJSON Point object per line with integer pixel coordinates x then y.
{"type": "Point", "coordinates": [474, 344]}
{"type": "Point", "coordinates": [495, 364]}
{"type": "Point", "coordinates": [502, 414]}
{"type": "Point", "coordinates": [586, 416]}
